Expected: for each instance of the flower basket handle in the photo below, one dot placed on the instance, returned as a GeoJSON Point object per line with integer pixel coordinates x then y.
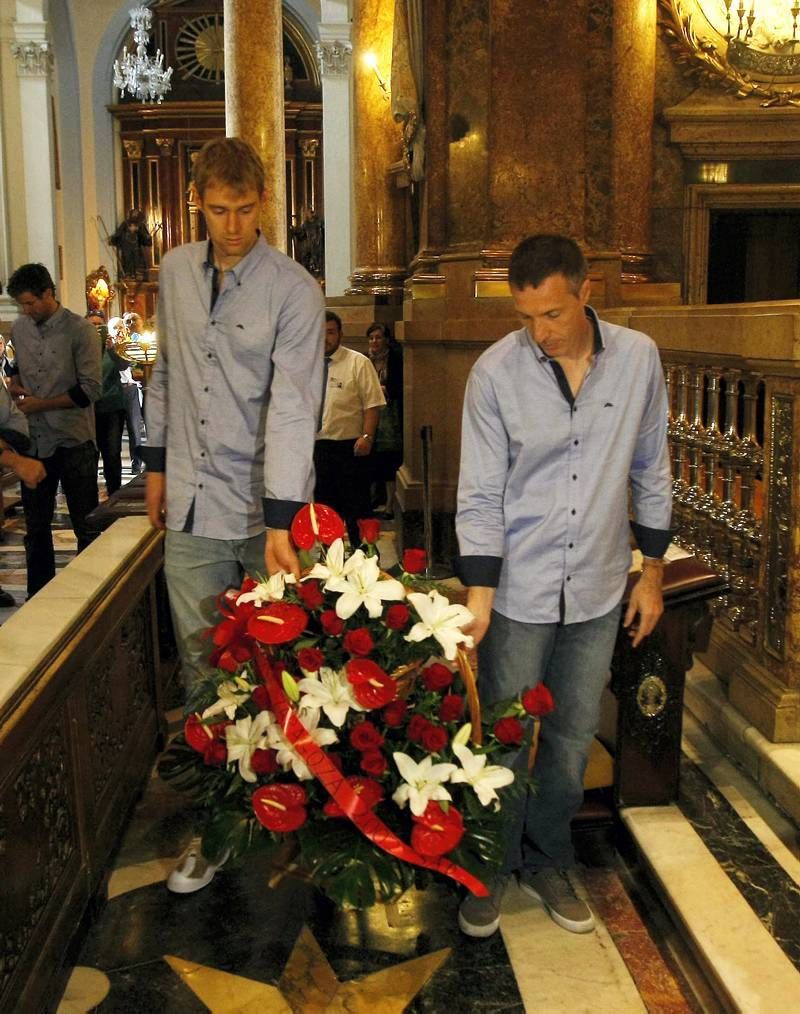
{"type": "Point", "coordinates": [473, 701]}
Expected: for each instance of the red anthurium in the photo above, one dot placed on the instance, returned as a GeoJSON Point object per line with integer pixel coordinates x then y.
{"type": "Point", "coordinates": [316, 523]}
{"type": "Point", "coordinates": [198, 735]}
{"type": "Point", "coordinates": [277, 622]}
{"type": "Point", "coordinates": [280, 807]}
{"type": "Point", "coordinates": [372, 687]}
{"type": "Point", "coordinates": [368, 791]}
{"type": "Point", "coordinates": [436, 832]}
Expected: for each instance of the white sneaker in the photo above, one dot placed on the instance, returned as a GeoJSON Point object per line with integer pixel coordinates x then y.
{"type": "Point", "coordinates": [193, 871]}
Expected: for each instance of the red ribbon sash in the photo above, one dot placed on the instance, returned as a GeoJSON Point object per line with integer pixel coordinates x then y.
{"type": "Point", "coordinates": [334, 781]}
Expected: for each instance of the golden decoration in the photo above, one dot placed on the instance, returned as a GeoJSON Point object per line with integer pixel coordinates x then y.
{"type": "Point", "coordinates": [708, 58]}
{"type": "Point", "coordinates": [309, 984]}
{"type": "Point", "coordinates": [200, 48]}
{"type": "Point", "coordinates": [651, 696]}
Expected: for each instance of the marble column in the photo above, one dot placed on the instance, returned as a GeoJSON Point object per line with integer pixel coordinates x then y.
{"type": "Point", "coordinates": [379, 228]}
{"type": "Point", "coordinates": [634, 60]}
{"type": "Point", "coordinates": [335, 57]}
{"type": "Point", "coordinates": [33, 56]}
{"type": "Point", "coordinates": [254, 98]}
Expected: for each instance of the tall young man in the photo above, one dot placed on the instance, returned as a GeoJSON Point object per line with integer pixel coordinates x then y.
{"type": "Point", "coordinates": [232, 407]}
{"type": "Point", "coordinates": [563, 419]}
{"type": "Point", "coordinates": [55, 378]}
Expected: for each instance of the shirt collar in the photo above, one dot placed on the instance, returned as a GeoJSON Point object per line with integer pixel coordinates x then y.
{"type": "Point", "coordinates": [253, 256]}
{"type": "Point", "coordinates": [598, 343]}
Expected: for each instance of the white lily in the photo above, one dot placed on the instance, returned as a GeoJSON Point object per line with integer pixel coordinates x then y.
{"type": "Point", "coordinates": [271, 590]}
{"type": "Point", "coordinates": [484, 778]}
{"type": "Point", "coordinates": [231, 694]}
{"type": "Point", "coordinates": [332, 692]}
{"type": "Point", "coordinates": [286, 754]}
{"type": "Point", "coordinates": [244, 738]}
{"type": "Point", "coordinates": [364, 586]}
{"type": "Point", "coordinates": [422, 782]}
{"type": "Point", "coordinates": [442, 619]}
{"type": "Point", "coordinates": [335, 565]}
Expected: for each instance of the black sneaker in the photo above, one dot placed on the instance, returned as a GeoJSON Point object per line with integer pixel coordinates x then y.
{"type": "Point", "coordinates": [554, 888]}
{"type": "Point", "coordinates": [480, 917]}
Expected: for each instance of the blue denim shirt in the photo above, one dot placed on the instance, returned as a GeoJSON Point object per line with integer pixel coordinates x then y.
{"type": "Point", "coordinates": [234, 398]}
{"type": "Point", "coordinates": [544, 486]}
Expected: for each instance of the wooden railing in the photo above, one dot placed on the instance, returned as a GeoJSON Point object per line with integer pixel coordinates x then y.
{"type": "Point", "coordinates": [80, 723]}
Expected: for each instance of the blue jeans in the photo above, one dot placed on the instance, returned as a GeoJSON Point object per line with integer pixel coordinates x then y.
{"type": "Point", "coordinates": [198, 570]}
{"type": "Point", "coordinates": [574, 661]}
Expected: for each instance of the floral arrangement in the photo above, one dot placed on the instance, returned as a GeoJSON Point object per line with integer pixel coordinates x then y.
{"type": "Point", "coordinates": [342, 716]}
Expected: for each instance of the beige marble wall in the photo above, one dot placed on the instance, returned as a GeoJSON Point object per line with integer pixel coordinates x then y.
{"type": "Point", "coordinates": [254, 98]}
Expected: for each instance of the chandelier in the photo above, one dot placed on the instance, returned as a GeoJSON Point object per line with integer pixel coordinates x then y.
{"type": "Point", "coordinates": [142, 75]}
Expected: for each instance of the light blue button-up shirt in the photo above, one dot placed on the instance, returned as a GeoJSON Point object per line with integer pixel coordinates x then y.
{"type": "Point", "coordinates": [545, 485]}
{"type": "Point", "coordinates": [235, 394]}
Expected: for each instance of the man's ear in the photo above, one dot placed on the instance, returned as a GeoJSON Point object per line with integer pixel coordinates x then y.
{"type": "Point", "coordinates": [585, 291]}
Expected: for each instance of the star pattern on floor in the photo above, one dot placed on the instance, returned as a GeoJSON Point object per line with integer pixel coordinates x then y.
{"type": "Point", "coordinates": [310, 984]}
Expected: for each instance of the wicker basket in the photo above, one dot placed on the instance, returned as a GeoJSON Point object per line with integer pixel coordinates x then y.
{"type": "Point", "coordinates": [406, 676]}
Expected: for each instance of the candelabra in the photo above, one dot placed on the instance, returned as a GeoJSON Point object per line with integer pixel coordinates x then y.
{"type": "Point", "coordinates": [141, 75]}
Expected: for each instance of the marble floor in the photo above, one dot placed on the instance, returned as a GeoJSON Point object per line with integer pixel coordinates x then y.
{"type": "Point", "coordinates": [697, 904]}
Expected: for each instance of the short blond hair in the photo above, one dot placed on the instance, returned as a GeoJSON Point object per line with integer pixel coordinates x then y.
{"type": "Point", "coordinates": [230, 161]}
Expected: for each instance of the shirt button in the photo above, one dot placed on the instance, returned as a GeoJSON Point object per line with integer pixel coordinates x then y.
{"type": "Point", "coordinates": [574, 477]}
{"type": "Point", "coordinates": [571, 545]}
{"type": "Point", "coordinates": [572, 511]}
{"type": "Point", "coordinates": [203, 422]}
{"type": "Point", "coordinates": [206, 390]}
{"type": "Point", "coordinates": [210, 355]}
{"type": "Point", "coordinates": [200, 486]}
{"type": "Point", "coordinates": [575, 442]}
{"type": "Point", "coordinates": [213, 323]}
{"type": "Point", "coordinates": [202, 454]}
{"type": "Point", "coordinates": [569, 578]}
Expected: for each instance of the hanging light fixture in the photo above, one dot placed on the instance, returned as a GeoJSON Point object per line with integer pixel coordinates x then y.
{"type": "Point", "coordinates": [141, 75]}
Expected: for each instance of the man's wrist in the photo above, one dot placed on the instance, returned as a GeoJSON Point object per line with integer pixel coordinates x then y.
{"type": "Point", "coordinates": [367, 436]}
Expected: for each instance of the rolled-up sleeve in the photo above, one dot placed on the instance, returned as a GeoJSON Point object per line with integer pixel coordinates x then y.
{"type": "Point", "coordinates": [295, 398]}
{"type": "Point", "coordinates": [481, 486]}
{"type": "Point", "coordinates": [650, 474]}
{"type": "Point", "coordinates": [87, 358]}
{"type": "Point", "coordinates": [154, 447]}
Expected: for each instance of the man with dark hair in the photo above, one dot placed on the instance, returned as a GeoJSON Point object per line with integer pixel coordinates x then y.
{"type": "Point", "coordinates": [564, 420]}
{"type": "Point", "coordinates": [353, 402]}
{"type": "Point", "coordinates": [55, 378]}
{"type": "Point", "coordinates": [231, 411]}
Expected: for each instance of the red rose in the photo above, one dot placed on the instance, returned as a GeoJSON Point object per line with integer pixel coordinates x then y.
{"type": "Point", "coordinates": [260, 698]}
{"type": "Point", "coordinates": [280, 807]}
{"type": "Point", "coordinates": [416, 727]}
{"type": "Point", "coordinates": [437, 676]}
{"type": "Point", "coordinates": [394, 714]}
{"type": "Point", "coordinates": [396, 616]}
{"type": "Point", "coordinates": [509, 731]}
{"type": "Point", "coordinates": [310, 659]}
{"type": "Point", "coordinates": [331, 623]}
{"type": "Point", "coordinates": [434, 738]}
{"type": "Point", "coordinates": [451, 708]}
{"type": "Point", "coordinates": [316, 522]}
{"type": "Point", "coordinates": [436, 832]}
{"type": "Point", "coordinates": [372, 687]}
{"type": "Point", "coordinates": [538, 701]}
{"type": "Point", "coordinates": [310, 593]}
{"type": "Point", "coordinates": [358, 642]}
{"type": "Point", "coordinates": [414, 561]}
{"type": "Point", "coordinates": [369, 529]}
{"type": "Point", "coordinates": [373, 762]}
{"type": "Point", "coordinates": [264, 762]}
{"type": "Point", "coordinates": [365, 736]}
{"type": "Point", "coordinates": [216, 752]}
{"type": "Point", "coordinates": [369, 793]}
{"type": "Point", "coordinates": [277, 623]}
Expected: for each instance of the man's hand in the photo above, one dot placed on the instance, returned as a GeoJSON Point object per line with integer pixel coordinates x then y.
{"type": "Point", "coordinates": [15, 388]}
{"type": "Point", "coordinates": [155, 499]}
{"type": "Point", "coordinates": [479, 603]}
{"type": "Point", "coordinates": [647, 601]}
{"type": "Point", "coordinates": [28, 470]}
{"type": "Point", "coordinates": [362, 447]}
{"type": "Point", "coordinates": [279, 553]}
{"type": "Point", "coordinates": [30, 404]}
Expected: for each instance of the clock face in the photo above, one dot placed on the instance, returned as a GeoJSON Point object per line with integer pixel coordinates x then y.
{"type": "Point", "coordinates": [200, 48]}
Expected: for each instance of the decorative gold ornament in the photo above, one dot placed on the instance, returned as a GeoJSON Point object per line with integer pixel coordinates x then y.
{"type": "Point", "coordinates": [200, 48]}
{"type": "Point", "coordinates": [309, 983]}
{"type": "Point", "coordinates": [651, 696]}
{"type": "Point", "coordinates": [746, 48]}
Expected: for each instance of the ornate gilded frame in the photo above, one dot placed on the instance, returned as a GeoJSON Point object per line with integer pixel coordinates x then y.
{"type": "Point", "coordinates": [703, 53]}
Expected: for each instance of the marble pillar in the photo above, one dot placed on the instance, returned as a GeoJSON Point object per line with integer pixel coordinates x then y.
{"type": "Point", "coordinates": [334, 51]}
{"type": "Point", "coordinates": [379, 227]}
{"type": "Point", "coordinates": [254, 98]}
{"type": "Point", "coordinates": [634, 61]}
{"type": "Point", "coordinates": [32, 53]}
